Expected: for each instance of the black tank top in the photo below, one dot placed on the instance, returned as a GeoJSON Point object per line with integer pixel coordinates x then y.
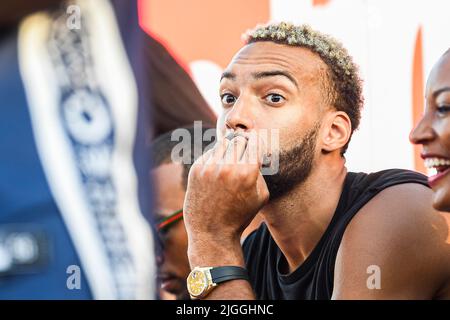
{"type": "Point", "coordinates": [313, 279]}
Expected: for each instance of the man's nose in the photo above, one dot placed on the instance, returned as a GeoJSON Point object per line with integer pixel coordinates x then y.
{"type": "Point", "coordinates": [241, 116]}
{"type": "Point", "coordinates": [423, 132]}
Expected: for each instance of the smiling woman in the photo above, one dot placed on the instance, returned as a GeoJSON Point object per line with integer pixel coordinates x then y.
{"type": "Point", "coordinates": [433, 132]}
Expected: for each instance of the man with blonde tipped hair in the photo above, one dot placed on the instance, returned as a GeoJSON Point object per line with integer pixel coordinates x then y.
{"type": "Point", "coordinates": [328, 233]}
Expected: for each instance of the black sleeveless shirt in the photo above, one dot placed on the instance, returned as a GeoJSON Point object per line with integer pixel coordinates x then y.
{"type": "Point", "coordinates": [313, 279]}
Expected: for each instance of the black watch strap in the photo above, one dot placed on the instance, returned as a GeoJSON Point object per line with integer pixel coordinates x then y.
{"type": "Point", "coordinates": [222, 274]}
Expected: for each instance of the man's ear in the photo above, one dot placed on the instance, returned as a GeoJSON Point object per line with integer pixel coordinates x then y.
{"type": "Point", "coordinates": [337, 131]}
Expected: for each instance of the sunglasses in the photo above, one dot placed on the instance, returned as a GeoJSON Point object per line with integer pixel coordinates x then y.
{"type": "Point", "coordinates": [166, 223]}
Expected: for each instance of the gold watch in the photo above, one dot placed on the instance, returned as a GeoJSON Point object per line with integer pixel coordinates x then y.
{"type": "Point", "coordinates": [202, 280]}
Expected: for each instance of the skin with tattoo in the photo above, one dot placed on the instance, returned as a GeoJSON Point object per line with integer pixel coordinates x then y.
{"type": "Point", "coordinates": [275, 86]}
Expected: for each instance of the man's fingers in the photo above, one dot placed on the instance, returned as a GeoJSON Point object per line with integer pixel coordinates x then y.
{"type": "Point", "coordinates": [235, 150]}
{"type": "Point", "coordinates": [219, 150]}
{"type": "Point", "coordinates": [254, 151]}
{"type": "Point", "coordinates": [204, 158]}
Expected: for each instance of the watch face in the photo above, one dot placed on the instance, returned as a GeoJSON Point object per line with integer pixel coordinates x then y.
{"type": "Point", "coordinates": [197, 283]}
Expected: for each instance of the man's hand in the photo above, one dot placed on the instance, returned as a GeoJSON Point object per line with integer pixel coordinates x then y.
{"type": "Point", "coordinates": [225, 191]}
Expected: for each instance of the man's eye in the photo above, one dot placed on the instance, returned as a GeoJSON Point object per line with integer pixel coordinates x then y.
{"type": "Point", "coordinates": [228, 99]}
{"type": "Point", "coordinates": [274, 98]}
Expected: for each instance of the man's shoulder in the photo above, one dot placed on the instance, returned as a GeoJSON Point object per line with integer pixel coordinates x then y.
{"type": "Point", "coordinates": [397, 205]}
{"type": "Point", "coordinates": [399, 231]}
{"type": "Point", "coordinates": [361, 188]}
{"type": "Point", "coordinates": [383, 179]}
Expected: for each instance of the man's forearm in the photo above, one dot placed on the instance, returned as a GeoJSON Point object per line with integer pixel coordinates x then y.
{"type": "Point", "coordinates": [204, 253]}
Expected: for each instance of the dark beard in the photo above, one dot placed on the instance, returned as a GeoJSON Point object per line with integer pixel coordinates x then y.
{"type": "Point", "coordinates": [294, 166]}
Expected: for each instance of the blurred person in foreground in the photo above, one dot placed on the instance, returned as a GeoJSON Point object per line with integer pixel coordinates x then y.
{"type": "Point", "coordinates": [327, 233]}
{"type": "Point", "coordinates": [83, 89]}
{"type": "Point", "coordinates": [170, 179]}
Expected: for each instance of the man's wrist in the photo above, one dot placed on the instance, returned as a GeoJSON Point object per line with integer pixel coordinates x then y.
{"type": "Point", "coordinates": [207, 251]}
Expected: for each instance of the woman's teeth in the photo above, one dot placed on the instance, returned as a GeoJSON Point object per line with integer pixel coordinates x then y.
{"type": "Point", "coordinates": [439, 164]}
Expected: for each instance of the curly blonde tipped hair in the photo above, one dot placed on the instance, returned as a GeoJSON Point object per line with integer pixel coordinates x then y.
{"type": "Point", "coordinates": [343, 85]}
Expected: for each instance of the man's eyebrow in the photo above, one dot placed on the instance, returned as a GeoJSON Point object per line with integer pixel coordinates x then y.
{"type": "Point", "coordinates": [228, 75]}
{"type": "Point", "coordinates": [439, 91]}
{"type": "Point", "coordinates": [264, 74]}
